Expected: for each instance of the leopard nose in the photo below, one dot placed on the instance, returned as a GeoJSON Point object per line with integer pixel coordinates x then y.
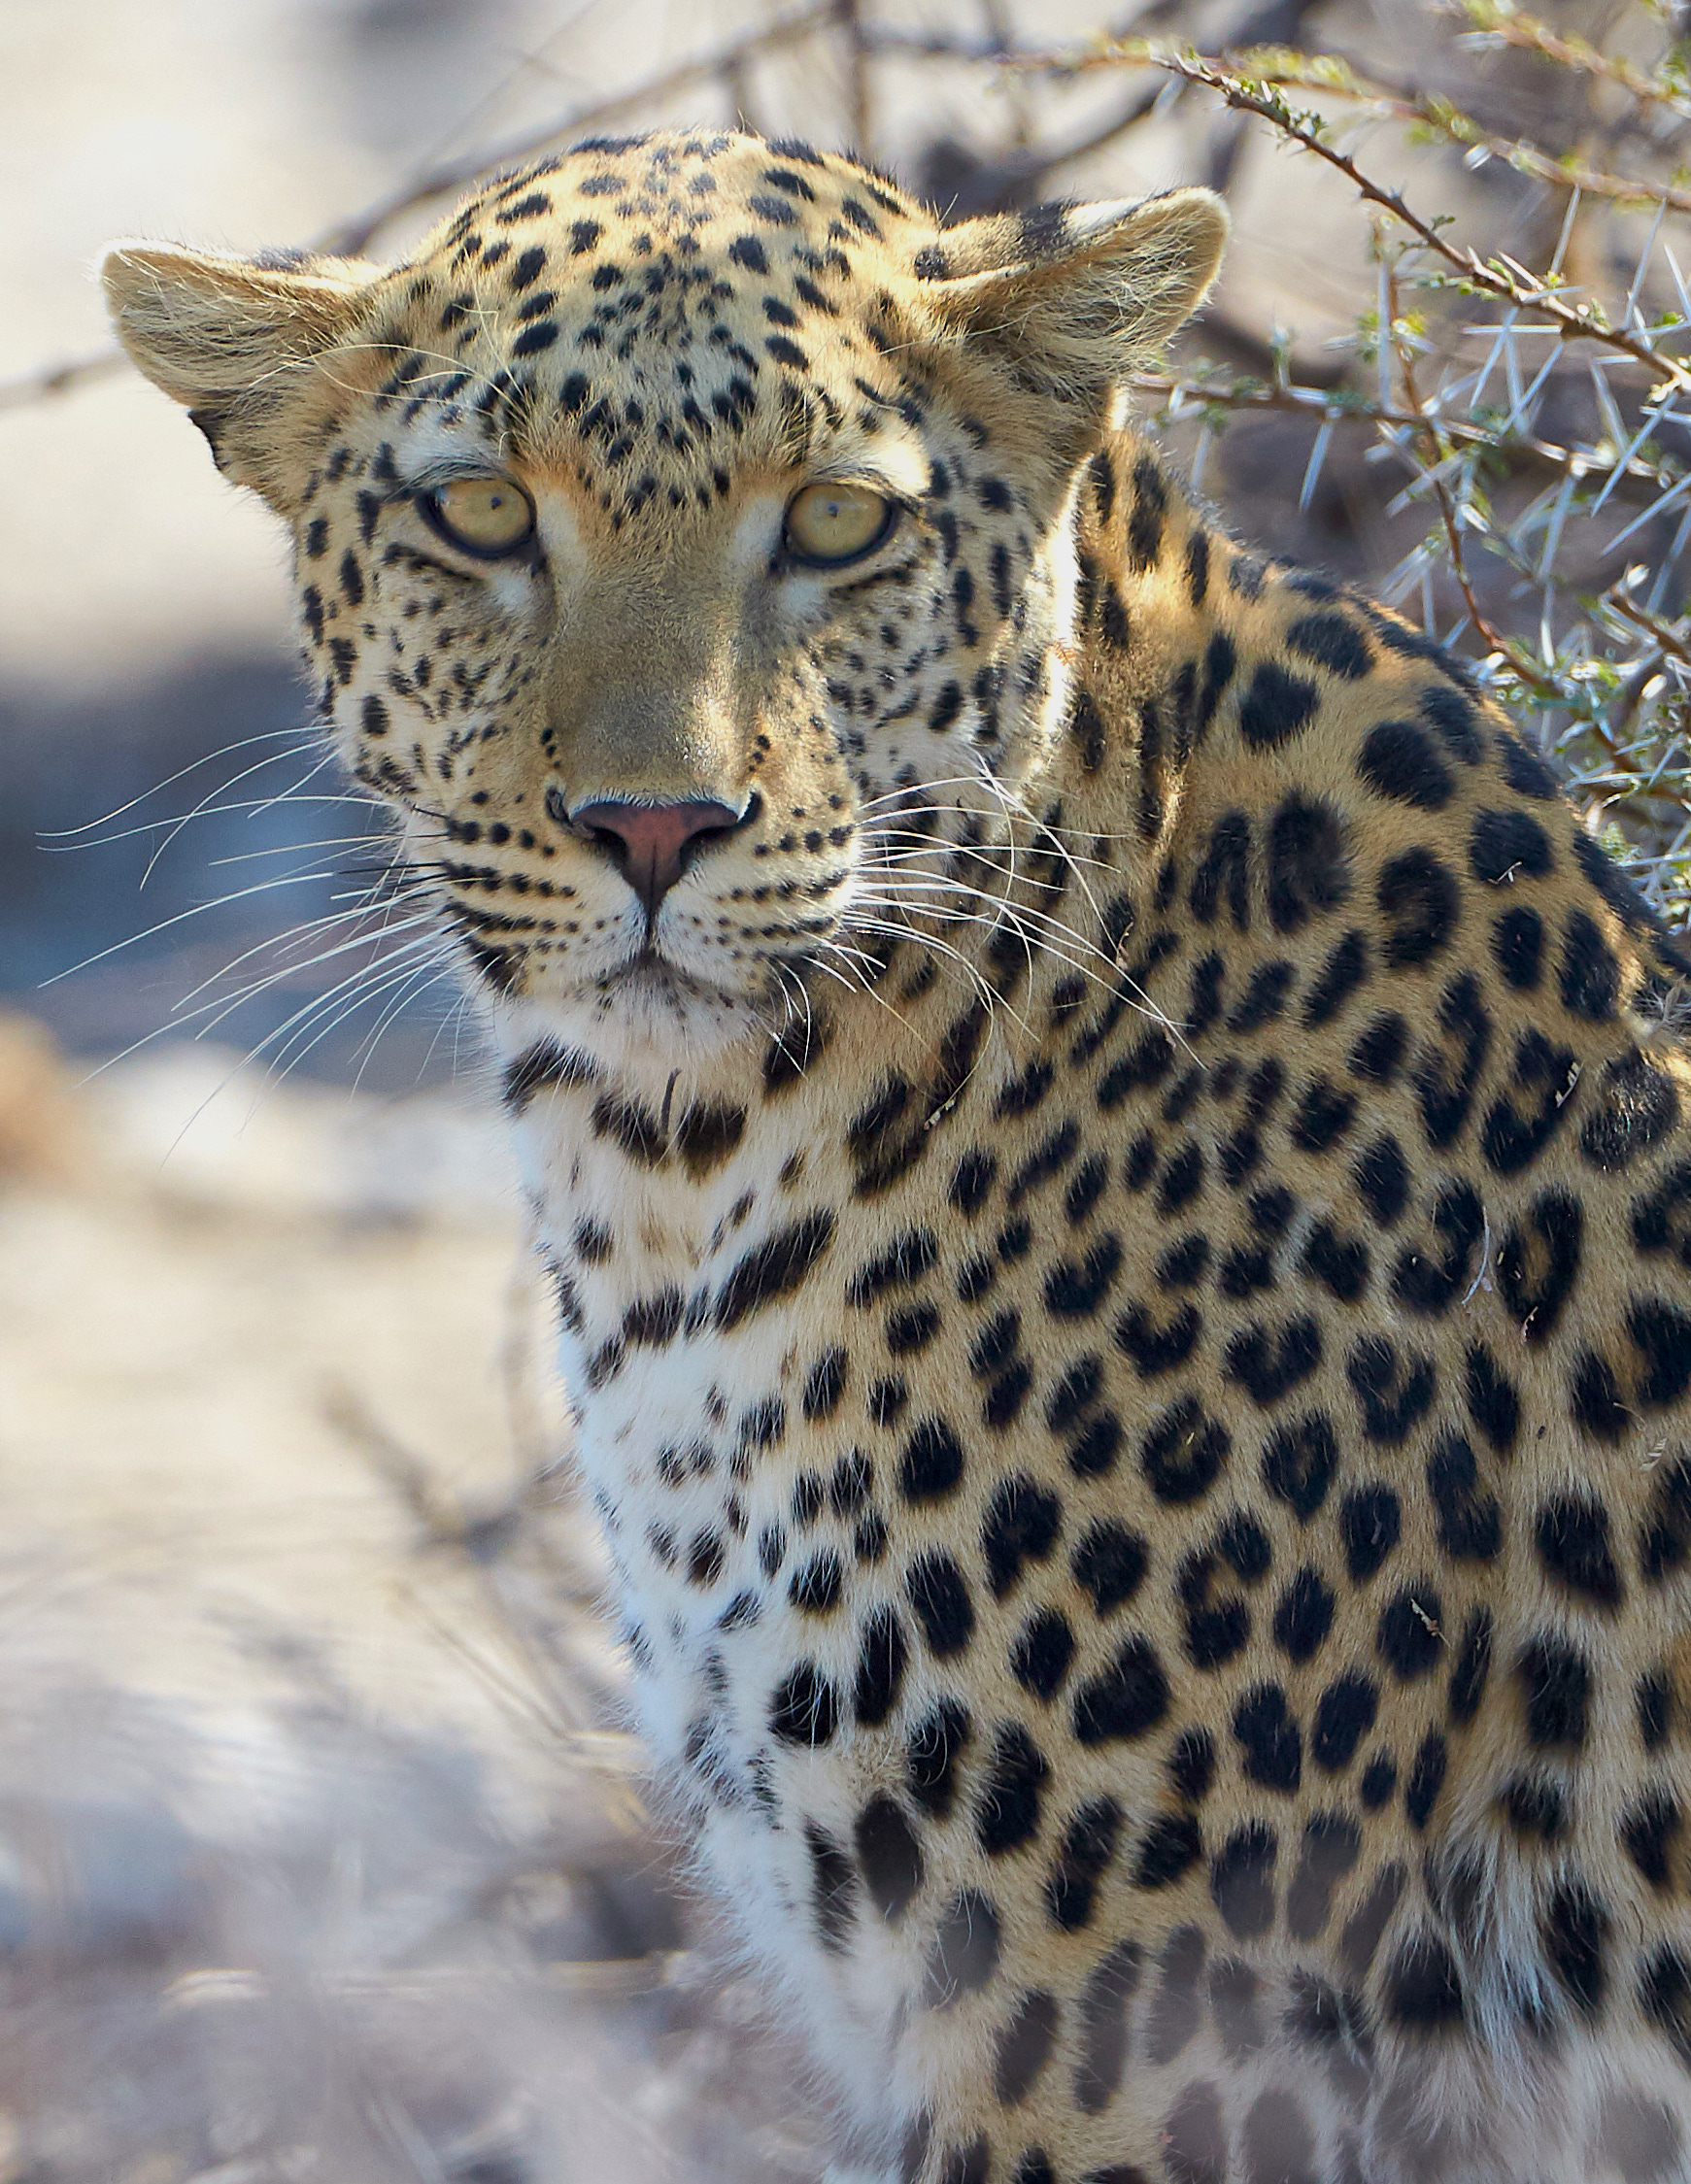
{"type": "Point", "coordinates": [652, 845]}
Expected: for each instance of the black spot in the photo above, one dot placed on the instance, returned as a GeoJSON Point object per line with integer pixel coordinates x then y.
{"type": "Point", "coordinates": [1468, 1679]}
{"type": "Point", "coordinates": [1333, 642]}
{"type": "Point", "coordinates": [890, 1856]}
{"type": "Point", "coordinates": [1574, 1545]}
{"type": "Point", "coordinates": [1339, 977]}
{"type": "Point", "coordinates": [1304, 1615]}
{"type": "Point", "coordinates": [1492, 1402]}
{"type": "Point", "coordinates": [1275, 707]}
{"type": "Point", "coordinates": [1392, 1393]}
{"type": "Point", "coordinates": [1595, 1399]}
{"type": "Point", "coordinates": [775, 1269]}
{"type": "Point", "coordinates": [1369, 1522]}
{"type": "Point", "coordinates": [1503, 845]}
{"type": "Point", "coordinates": [1007, 1806]}
{"type": "Point", "coordinates": [1268, 1362]}
{"type": "Point", "coordinates": [1344, 1714]}
{"type": "Point", "coordinates": [1469, 1521]}
{"type": "Point", "coordinates": [1647, 1833]}
{"type": "Point", "coordinates": [1183, 1452]}
{"type": "Point", "coordinates": [1382, 1178]}
{"type": "Point", "coordinates": [707, 1133]}
{"type": "Point", "coordinates": [1040, 1656]}
{"type": "Point", "coordinates": [932, 1463]}
{"type": "Point", "coordinates": [1331, 1845]}
{"type": "Point", "coordinates": [1426, 1779]}
{"type": "Point", "coordinates": [1408, 1635]}
{"type": "Point", "coordinates": [1176, 2012]}
{"type": "Point", "coordinates": [1127, 1699]}
{"type": "Point", "coordinates": [1447, 1072]}
{"type": "Point", "coordinates": [833, 1886]}
{"type": "Point", "coordinates": [815, 1589]}
{"type": "Point", "coordinates": [1156, 1349]}
{"type": "Point", "coordinates": [1150, 506]}
{"type": "Point", "coordinates": [1665, 1990]}
{"type": "Point", "coordinates": [1418, 901]}
{"type": "Point", "coordinates": [1575, 1930]}
{"type": "Point", "coordinates": [1525, 771]}
{"type": "Point", "coordinates": [882, 1656]}
{"type": "Point", "coordinates": [805, 1707]}
{"type": "Point", "coordinates": [1193, 2139]}
{"type": "Point", "coordinates": [965, 1950]}
{"type": "Point", "coordinates": [1341, 1263]}
{"type": "Point", "coordinates": [931, 1754]}
{"type": "Point", "coordinates": [1308, 870]}
{"type": "Point", "coordinates": [545, 1064]}
{"type": "Point", "coordinates": [1024, 2049]}
{"type": "Point", "coordinates": [1270, 1738]}
{"type": "Point", "coordinates": [1636, 1105]}
{"type": "Point", "coordinates": [1517, 946]}
{"type": "Point", "coordinates": [1398, 761]}
{"type": "Point", "coordinates": [1074, 1292]}
{"type": "Point", "coordinates": [1299, 1462]}
{"type": "Point", "coordinates": [1378, 1053]}
{"type": "Point", "coordinates": [1556, 1691]}
{"type": "Point", "coordinates": [1534, 1808]}
{"type": "Point", "coordinates": [1223, 872]}
{"type": "Point", "coordinates": [1642, 2138]}
{"type": "Point", "coordinates": [1021, 1522]}
{"type": "Point", "coordinates": [1109, 1562]}
{"type": "Point", "coordinates": [1241, 1880]}
{"type": "Point", "coordinates": [1111, 1986]}
{"type": "Point", "coordinates": [905, 1261]}
{"type": "Point", "coordinates": [1662, 1335]}
{"type": "Point", "coordinates": [1323, 1114]}
{"type": "Point", "coordinates": [940, 1594]}
{"type": "Point", "coordinates": [1423, 1990]}
{"type": "Point", "coordinates": [1191, 1764]}
{"type": "Point", "coordinates": [1653, 1700]}
{"type": "Point", "coordinates": [1089, 1844]}
{"type": "Point", "coordinates": [825, 1385]}
{"type": "Point", "coordinates": [1590, 975]}
{"type": "Point", "coordinates": [1172, 1844]}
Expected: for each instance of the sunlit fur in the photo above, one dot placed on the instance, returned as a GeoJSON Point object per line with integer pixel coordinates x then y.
{"type": "Point", "coordinates": [1121, 1243]}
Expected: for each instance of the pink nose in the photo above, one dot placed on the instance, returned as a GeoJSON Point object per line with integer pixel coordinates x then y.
{"type": "Point", "coordinates": [651, 845]}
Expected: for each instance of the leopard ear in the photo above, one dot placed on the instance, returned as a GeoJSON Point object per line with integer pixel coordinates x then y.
{"type": "Point", "coordinates": [1075, 297]}
{"type": "Point", "coordinates": [237, 342]}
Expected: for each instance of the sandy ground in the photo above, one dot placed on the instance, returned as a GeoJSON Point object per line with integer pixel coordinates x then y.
{"type": "Point", "coordinates": [323, 1853]}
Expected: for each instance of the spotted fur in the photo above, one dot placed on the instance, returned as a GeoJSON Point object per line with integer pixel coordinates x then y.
{"type": "Point", "coordinates": [1122, 1237]}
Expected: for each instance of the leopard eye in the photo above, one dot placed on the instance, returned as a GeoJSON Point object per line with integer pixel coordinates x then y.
{"type": "Point", "coordinates": [830, 524]}
{"type": "Point", "coordinates": [487, 517]}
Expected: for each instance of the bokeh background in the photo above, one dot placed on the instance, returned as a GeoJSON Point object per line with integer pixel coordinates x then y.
{"type": "Point", "coordinates": [323, 1850]}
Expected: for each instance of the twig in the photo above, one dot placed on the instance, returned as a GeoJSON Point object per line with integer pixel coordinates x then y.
{"type": "Point", "coordinates": [1182, 390]}
{"type": "Point", "coordinates": [1499, 20]}
{"type": "Point", "coordinates": [59, 379]}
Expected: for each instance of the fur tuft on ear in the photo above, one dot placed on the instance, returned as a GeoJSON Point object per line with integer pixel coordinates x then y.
{"type": "Point", "coordinates": [1075, 297]}
{"type": "Point", "coordinates": [233, 339]}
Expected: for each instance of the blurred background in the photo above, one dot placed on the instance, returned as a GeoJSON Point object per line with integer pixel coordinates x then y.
{"type": "Point", "coordinates": [322, 1851]}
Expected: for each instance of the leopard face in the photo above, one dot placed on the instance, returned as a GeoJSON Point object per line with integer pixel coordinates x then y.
{"type": "Point", "coordinates": [766, 534]}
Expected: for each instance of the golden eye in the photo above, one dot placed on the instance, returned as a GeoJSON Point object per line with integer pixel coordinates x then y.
{"type": "Point", "coordinates": [487, 517]}
{"type": "Point", "coordinates": [829, 525]}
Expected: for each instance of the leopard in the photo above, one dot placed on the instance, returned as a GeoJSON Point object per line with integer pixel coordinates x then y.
{"type": "Point", "coordinates": [1113, 1154]}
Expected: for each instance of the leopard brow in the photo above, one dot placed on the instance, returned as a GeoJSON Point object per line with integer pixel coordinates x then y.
{"type": "Point", "coordinates": [450, 470]}
{"type": "Point", "coordinates": [898, 491]}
